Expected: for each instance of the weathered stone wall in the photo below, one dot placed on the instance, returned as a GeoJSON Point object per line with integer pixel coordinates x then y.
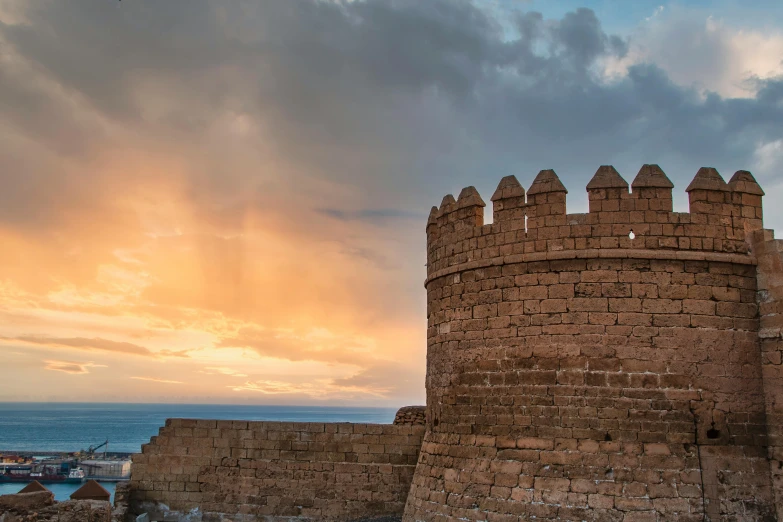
{"type": "Point", "coordinates": [239, 470]}
{"type": "Point", "coordinates": [576, 371]}
{"type": "Point", "coordinates": [770, 280]}
{"type": "Point", "coordinates": [415, 415]}
{"type": "Point", "coordinates": [121, 502]}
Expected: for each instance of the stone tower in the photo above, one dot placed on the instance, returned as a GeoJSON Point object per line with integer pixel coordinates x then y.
{"type": "Point", "coordinates": [622, 364]}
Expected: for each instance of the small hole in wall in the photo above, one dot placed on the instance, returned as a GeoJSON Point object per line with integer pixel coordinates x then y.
{"type": "Point", "coordinates": [607, 437]}
{"type": "Point", "coordinates": [631, 235]}
{"type": "Point", "coordinates": [525, 223]}
{"type": "Point", "coordinates": [712, 433]}
{"type": "Point", "coordinates": [435, 422]}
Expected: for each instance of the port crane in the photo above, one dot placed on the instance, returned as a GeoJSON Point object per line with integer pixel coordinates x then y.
{"type": "Point", "coordinates": [92, 449]}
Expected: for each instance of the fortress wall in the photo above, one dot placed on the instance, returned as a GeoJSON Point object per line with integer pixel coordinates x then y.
{"type": "Point", "coordinates": [770, 290]}
{"type": "Point", "coordinates": [240, 470]}
{"type": "Point", "coordinates": [586, 375]}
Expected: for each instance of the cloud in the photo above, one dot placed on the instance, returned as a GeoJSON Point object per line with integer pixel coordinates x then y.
{"type": "Point", "coordinates": [98, 344]}
{"type": "Point", "coordinates": [711, 53]}
{"type": "Point", "coordinates": [383, 380]}
{"type": "Point", "coordinates": [323, 390]}
{"type": "Point", "coordinates": [380, 215]}
{"type": "Point", "coordinates": [450, 101]}
{"type": "Point", "coordinates": [656, 12]}
{"type": "Point", "coordinates": [212, 370]}
{"type": "Point", "coordinates": [269, 387]}
{"type": "Point", "coordinates": [398, 379]}
{"type": "Point", "coordinates": [313, 345]}
{"type": "Point", "coordinates": [74, 368]}
{"type": "Point", "coordinates": [155, 379]}
{"type": "Point", "coordinates": [251, 174]}
{"type": "Point", "coordinates": [174, 353]}
{"type": "Point", "coordinates": [85, 344]}
{"type": "Point", "coordinates": [389, 378]}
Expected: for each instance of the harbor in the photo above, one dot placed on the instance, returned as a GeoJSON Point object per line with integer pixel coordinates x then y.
{"type": "Point", "coordinates": [49, 467]}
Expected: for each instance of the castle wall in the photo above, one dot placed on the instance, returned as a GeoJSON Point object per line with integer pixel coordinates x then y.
{"type": "Point", "coordinates": [239, 470]}
{"type": "Point", "coordinates": [576, 371]}
{"type": "Point", "coordinates": [770, 289]}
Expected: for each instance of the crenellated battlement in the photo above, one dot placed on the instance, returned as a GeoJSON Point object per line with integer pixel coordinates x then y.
{"type": "Point", "coordinates": [642, 218]}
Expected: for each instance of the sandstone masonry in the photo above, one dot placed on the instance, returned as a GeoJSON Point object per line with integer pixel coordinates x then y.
{"type": "Point", "coordinates": [415, 415]}
{"type": "Point", "coordinates": [619, 365]}
{"type": "Point", "coordinates": [238, 470]}
{"type": "Point", "coordinates": [602, 366]}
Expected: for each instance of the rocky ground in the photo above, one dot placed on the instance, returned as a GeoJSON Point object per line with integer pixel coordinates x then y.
{"type": "Point", "coordinates": [41, 507]}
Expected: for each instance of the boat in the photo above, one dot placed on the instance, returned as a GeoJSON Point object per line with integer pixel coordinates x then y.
{"type": "Point", "coordinates": [77, 475]}
{"type": "Point", "coordinates": [26, 474]}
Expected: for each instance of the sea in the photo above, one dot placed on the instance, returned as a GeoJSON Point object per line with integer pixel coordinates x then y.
{"type": "Point", "coordinates": [70, 427]}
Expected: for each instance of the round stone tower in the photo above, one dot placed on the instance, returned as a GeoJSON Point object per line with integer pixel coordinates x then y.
{"type": "Point", "coordinates": [601, 366]}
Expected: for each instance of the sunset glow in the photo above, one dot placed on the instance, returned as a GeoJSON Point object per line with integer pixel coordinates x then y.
{"type": "Point", "coordinates": [149, 292]}
{"type": "Point", "coordinates": [211, 202]}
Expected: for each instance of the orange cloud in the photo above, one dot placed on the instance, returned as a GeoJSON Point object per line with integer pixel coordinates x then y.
{"type": "Point", "coordinates": [154, 379]}
{"type": "Point", "coordinates": [314, 390]}
{"type": "Point", "coordinates": [85, 344]}
{"type": "Point", "coordinates": [313, 344]}
{"type": "Point", "coordinates": [71, 367]}
{"type": "Point", "coordinates": [174, 353]}
{"type": "Point", "coordinates": [212, 370]}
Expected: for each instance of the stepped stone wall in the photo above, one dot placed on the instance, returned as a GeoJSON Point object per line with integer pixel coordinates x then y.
{"type": "Point", "coordinates": [238, 470]}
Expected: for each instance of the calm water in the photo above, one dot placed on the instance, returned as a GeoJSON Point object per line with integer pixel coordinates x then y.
{"type": "Point", "coordinates": [72, 427]}
{"type": "Point", "coordinates": [69, 427]}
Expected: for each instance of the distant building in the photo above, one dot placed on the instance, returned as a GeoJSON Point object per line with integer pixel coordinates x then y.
{"type": "Point", "coordinates": [106, 468]}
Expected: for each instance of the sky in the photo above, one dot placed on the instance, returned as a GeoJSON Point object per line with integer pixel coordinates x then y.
{"type": "Point", "coordinates": [225, 202]}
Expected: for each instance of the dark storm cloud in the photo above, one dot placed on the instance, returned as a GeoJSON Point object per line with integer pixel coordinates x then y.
{"type": "Point", "coordinates": [401, 98]}
{"type": "Point", "coordinates": [581, 39]}
{"type": "Point", "coordinates": [770, 93]}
